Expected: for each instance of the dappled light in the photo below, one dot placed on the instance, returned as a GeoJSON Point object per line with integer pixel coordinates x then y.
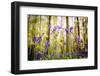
{"type": "Point", "coordinates": [57, 37]}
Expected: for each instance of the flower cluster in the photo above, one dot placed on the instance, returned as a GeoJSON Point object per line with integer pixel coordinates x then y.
{"type": "Point", "coordinates": [60, 27]}
{"type": "Point", "coordinates": [47, 44]}
{"type": "Point", "coordinates": [38, 39]}
{"type": "Point", "coordinates": [39, 55]}
{"type": "Point", "coordinates": [79, 39]}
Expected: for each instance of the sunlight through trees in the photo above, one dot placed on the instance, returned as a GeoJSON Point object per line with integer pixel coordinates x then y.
{"type": "Point", "coordinates": [57, 37]}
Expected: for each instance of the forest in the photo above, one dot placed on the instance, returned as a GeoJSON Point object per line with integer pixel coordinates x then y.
{"type": "Point", "coordinates": [57, 37]}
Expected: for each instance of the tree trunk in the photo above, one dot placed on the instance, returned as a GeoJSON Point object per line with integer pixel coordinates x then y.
{"type": "Point", "coordinates": [67, 36]}
{"type": "Point", "coordinates": [78, 33]}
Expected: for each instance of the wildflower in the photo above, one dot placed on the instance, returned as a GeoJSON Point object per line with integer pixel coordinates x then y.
{"type": "Point", "coordinates": [59, 27]}
{"type": "Point", "coordinates": [49, 26]}
{"type": "Point", "coordinates": [79, 39]}
{"type": "Point", "coordinates": [66, 30]}
{"type": "Point", "coordinates": [33, 46]}
{"type": "Point", "coordinates": [53, 29]}
{"type": "Point", "coordinates": [71, 29]}
{"type": "Point", "coordinates": [51, 55]}
{"type": "Point", "coordinates": [74, 18]}
{"type": "Point", "coordinates": [38, 39]}
{"type": "Point", "coordinates": [47, 44]}
{"type": "Point", "coordinates": [83, 54]}
{"type": "Point", "coordinates": [38, 55]}
{"type": "Point", "coordinates": [59, 55]}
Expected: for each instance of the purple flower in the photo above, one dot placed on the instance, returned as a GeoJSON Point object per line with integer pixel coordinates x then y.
{"type": "Point", "coordinates": [71, 29]}
{"type": "Point", "coordinates": [59, 55]}
{"type": "Point", "coordinates": [47, 44]}
{"type": "Point", "coordinates": [59, 27]}
{"type": "Point", "coordinates": [51, 55]}
{"type": "Point", "coordinates": [38, 55]}
{"type": "Point", "coordinates": [33, 46]}
{"type": "Point", "coordinates": [50, 26]}
{"type": "Point", "coordinates": [74, 18]}
{"type": "Point", "coordinates": [66, 30]}
{"type": "Point", "coordinates": [53, 29]}
{"type": "Point", "coordinates": [83, 54]}
{"type": "Point", "coordinates": [79, 39]}
{"type": "Point", "coordinates": [38, 39]}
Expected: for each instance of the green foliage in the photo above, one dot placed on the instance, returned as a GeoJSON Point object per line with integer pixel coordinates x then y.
{"type": "Point", "coordinates": [55, 41]}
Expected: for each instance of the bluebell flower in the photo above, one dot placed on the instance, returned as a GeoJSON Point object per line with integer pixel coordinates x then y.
{"type": "Point", "coordinates": [83, 54]}
{"type": "Point", "coordinates": [74, 17]}
{"type": "Point", "coordinates": [53, 29]}
{"type": "Point", "coordinates": [51, 55]}
{"type": "Point", "coordinates": [71, 29]}
{"type": "Point", "coordinates": [59, 55]}
{"type": "Point", "coordinates": [38, 39]}
{"type": "Point", "coordinates": [38, 55]}
{"type": "Point", "coordinates": [59, 27]}
{"type": "Point", "coordinates": [47, 44]}
{"type": "Point", "coordinates": [50, 26]}
{"type": "Point", "coordinates": [66, 30]}
{"type": "Point", "coordinates": [79, 39]}
{"type": "Point", "coordinates": [33, 46]}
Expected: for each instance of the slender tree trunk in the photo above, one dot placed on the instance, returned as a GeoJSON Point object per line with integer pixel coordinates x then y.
{"type": "Point", "coordinates": [78, 32]}
{"type": "Point", "coordinates": [67, 36]}
{"type": "Point", "coordinates": [48, 38]}
{"type": "Point", "coordinates": [78, 26]}
{"type": "Point", "coordinates": [49, 27]}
